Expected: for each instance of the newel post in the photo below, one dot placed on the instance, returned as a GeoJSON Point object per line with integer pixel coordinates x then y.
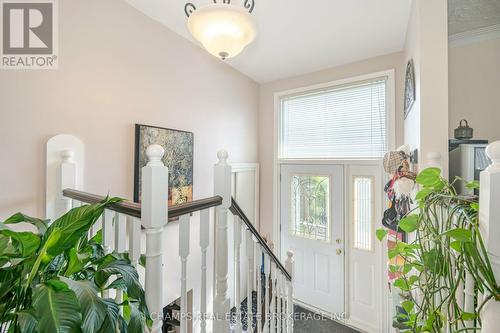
{"type": "Point", "coordinates": [489, 222]}
{"type": "Point", "coordinates": [434, 159]}
{"type": "Point", "coordinates": [68, 177]}
{"type": "Point", "coordinates": [290, 267]}
{"type": "Point", "coordinates": [222, 187]}
{"type": "Point", "coordinates": [154, 216]}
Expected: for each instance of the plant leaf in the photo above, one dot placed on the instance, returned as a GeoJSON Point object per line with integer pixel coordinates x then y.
{"type": "Point", "coordinates": [408, 306]}
{"type": "Point", "coordinates": [40, 224]}
{"type": "Point", "coordinates": [381, 233]}
{"type": "Point", "coordinates": [56, 308]}
{"type": "Point", "coordinates": [25, 243]}
{"type": "Point", "coordinates": [27, 321]}
{"type": "Point", "coordinates": [472, 185]}
{"type": "Point", "coordinates": [467, 316]}
{"type": "Point", "coordinates": [94, 309]}
{"type": "Point", "coordinates": [459, 234]}
{"type": "Point", "coordinates": [429, 177]}
{"type": "Point", "coordinates": [401, 284]}
{"type": "Point", "coordinates": [423, 193]}
{"type": "Point", "coordinates": [129, 275]}
{"type": "Point", "coordinates": [137, 320]}
{"type": "Point", "coordinates": [111, 319]}
{"type": "Point", "coordinates": [409, 223]}
{"type": "Point", "coordinates": [74, 224]}
{"type": "Point", "coordinates": [75, 262]}
{"type": "Point", "coordinates": [456, 245]}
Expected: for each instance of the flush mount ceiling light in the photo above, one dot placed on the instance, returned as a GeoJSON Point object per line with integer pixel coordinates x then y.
{"type": "Point", "coordinates": [223, 29]}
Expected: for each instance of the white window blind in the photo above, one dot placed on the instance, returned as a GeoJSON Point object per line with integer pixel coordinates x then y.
{"type": "Point", "coordinates": [341, 122]}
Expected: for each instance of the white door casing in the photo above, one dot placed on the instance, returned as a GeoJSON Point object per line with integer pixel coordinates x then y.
{"type": "Point", "coordinates": [319, 263]}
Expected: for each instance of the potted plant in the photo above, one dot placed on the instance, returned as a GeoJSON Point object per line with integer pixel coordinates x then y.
{"type": "Point", "coordinates": [447, 248]}
{"type": "Point", "coordinates": [53, 280]}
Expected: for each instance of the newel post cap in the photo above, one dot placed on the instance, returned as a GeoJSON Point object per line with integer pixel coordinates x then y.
{"type": "Point", "coordinates": [289, 254]}
{"type": "Point", "coordinates": [67, 155]}
{"type": "Point", "coordinates": [222, 155]}
{"type": "Point", "coordinates": [155, 154]}
{"type": "Point", "coordinates": [493, 152]}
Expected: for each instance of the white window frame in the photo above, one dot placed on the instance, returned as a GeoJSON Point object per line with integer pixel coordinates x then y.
{"type": "Point", "coordinates": [278, 161]}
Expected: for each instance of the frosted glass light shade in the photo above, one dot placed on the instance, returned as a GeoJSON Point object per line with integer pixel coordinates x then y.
{"type": "Point", "coordinates": [224, 30]}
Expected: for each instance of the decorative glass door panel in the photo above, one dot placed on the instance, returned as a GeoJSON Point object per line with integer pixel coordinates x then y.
{"type": "Point", "coordinates": [310, 206]}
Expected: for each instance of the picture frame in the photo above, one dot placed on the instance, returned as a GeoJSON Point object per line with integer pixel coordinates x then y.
{"type": "Point", "coordinates": [178, 157]}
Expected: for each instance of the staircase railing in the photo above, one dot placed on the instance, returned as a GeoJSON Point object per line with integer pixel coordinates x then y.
{"type": "Point", "coordinates": [143, 228]}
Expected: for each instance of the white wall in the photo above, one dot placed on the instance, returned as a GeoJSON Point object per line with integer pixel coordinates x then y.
{"type": "Point", "coordinates": [117, 68]}
{"type": "Point", "coordinates": [426, 127]}
{"type": "Point", "coordinates": [267, 111]}
{"type": "Point", "coordinates": [474, 78]}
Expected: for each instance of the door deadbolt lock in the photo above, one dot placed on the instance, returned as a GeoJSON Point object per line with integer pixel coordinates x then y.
{"type": "Point", "coordinates": [338, 241]}
{"type": "Point", "coordinates": [338, 251]}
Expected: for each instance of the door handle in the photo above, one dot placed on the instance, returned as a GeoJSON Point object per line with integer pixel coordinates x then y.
{"type": "Point", "coordinates": [338, 251]}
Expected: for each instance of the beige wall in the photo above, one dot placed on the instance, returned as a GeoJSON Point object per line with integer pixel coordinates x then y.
{"type": "Point", "coordinates": [117, 68]}
{"type": "Point", "coordinates": [426, 127]}
{"type": "Point", "coordinates": [474, 78]}
{"type": "Point", "coordinates": [267, 125]}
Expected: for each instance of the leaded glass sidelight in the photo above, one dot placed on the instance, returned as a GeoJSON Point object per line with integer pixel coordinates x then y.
{"type": "Point", "coordinates": [310, 206]}
{"type": "Point", "coordinates": [363, 212]}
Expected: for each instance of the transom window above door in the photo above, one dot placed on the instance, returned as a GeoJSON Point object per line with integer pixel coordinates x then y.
{"type": "Point", "coordinates": [341, 121]}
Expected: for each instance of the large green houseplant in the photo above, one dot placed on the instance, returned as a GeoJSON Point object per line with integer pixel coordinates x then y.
{"type": "Point", "coordinates": [447, 244]}
{"type": "Point", "coordinates": [53, 280]}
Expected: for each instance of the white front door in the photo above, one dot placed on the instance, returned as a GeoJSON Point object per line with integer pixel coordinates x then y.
{"type": "Point", "coordinates": [312, 226]}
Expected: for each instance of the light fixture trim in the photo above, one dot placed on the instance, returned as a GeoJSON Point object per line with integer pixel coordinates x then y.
{"type": "Point", "coordinates": [224, 30]}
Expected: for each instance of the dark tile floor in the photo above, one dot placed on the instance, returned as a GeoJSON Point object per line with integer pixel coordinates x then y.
{"type": "Point", "coordinates": [305, 321]}
{"type": "Point", "coordinates": [313, 323]}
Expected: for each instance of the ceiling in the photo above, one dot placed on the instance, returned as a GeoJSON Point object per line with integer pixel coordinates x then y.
{"type": "Point", "coordinates": [297, 37]}
{"type": "Point", "coordinates": [466, 15]}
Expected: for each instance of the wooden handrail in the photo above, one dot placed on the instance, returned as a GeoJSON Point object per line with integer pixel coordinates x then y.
{"type": "Point", "coordinates": [236, 210]}
{"type": "Point", "coordinates": [134, 209]}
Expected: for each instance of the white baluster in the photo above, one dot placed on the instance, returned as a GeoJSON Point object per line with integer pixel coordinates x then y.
{"type": "Point", "coordinates": [489, 222]}
{"type": "Point", "coordinates": [107, 231]}
{"type": "Point", "coordinates": [222, 187]}
{"type": "Point", "coordinates": [107, 235]}
{"type": "Point", "coordinates": [75, 203]}
{"type": "Point", "coordinates": [68, 177]}
{"type": "Point", "coordinates": [184, 253]}
{"type": "Point", "coordinates": [278, 301]}
{"type": "Point", "coordinates": [204, 242]}
{"type": "Point", "coordinates": [273, 299]}
{"type": "Point", "coordinates": [250, 278]}
{"type": "Point", "coordinates": [154, 216]}
{"type": "Point", "coordinates": [120, 233]}
{"type": "Point", "coordinates": [258, 264]}
{"type": "Point", "coordinates": [290, 267]}
{"type": "Point", "coordinates": [134, 239]}
{"type": "Point", "coordinates": [120, 245]}
{"type": "Point", "coordinates": [237, 267]}
{"type": "Point", "coordinates": [267, 301]}
{"type": "Point", "coordinates": [469, 297]}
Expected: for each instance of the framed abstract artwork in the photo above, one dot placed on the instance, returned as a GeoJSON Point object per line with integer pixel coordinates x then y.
{"type": "Point", "coordinates": [409, 87]}
{"type": "Point", "coordinates": [178, 158]}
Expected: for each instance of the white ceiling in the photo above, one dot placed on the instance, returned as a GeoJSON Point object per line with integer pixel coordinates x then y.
{"type": "Point", "coordinates": [301, 36]}
{"type": "Point", "coordinates": [466, 15]}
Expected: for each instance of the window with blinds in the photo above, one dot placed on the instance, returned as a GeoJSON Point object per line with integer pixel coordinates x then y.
{"type": "Point", "coordinates": [348, 121]}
